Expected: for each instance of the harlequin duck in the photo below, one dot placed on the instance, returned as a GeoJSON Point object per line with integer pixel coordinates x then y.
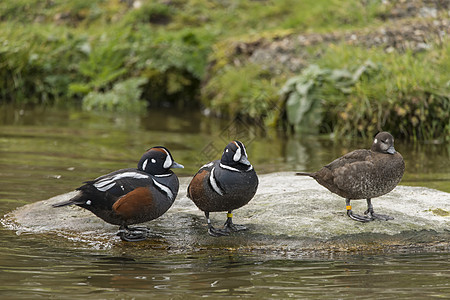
{"type": "Point", "coordinates": [131, 196]}
{"type": "Point", "coordinates": [364, 174]}
{"type": "Point", "coordinates": [224, 185]}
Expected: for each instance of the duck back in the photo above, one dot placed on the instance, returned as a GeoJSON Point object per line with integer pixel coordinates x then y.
{"type": "Point", "coordinates": [129, 201]}
{"type": "Point", "coordinates": [362, 174]}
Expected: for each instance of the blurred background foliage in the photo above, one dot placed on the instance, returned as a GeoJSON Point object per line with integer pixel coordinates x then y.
{"type": "Point", "coordinates": [306, 66]}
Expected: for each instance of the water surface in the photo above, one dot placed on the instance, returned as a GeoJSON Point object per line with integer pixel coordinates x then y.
{"type": "Point", "coordinates": [46, 152]}
{"type": "Point", "coordinates": [30, 269]}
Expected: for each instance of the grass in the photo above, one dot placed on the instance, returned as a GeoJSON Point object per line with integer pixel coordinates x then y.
{"type": "Point", "coordinates": [409, 95]}
{"type": "Point", "coordinates": [184, 52]}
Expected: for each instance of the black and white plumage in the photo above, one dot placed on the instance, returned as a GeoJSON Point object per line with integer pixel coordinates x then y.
{"type": "Point", "coordinates": [224, 185]}
{"type": "Point", "coordinates": [364, 174]}
{"type": "Point", "coordinates": [132, 196]}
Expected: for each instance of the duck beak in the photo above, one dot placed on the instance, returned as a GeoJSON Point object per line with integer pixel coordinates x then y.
{"type": "Point", "coordinates": [176, 165]}
{"type": "Point", "coordinates": [390, 150]}
{"type": "Point", "coordinates": [244, 160]}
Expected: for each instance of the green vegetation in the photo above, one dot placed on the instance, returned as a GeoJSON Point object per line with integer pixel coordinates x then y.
{"type": "Point", "coordinates": [408, 93]}
{"type": "Point", "coordinates": [123, 55]}
{"type": "Point", "coordinates": [353, 96]}
{"type": "Point", "coordinates": [124, 96]}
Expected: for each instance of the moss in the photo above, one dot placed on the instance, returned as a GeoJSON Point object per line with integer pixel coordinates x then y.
{"type": "Point", "coordinates": [440, 212]}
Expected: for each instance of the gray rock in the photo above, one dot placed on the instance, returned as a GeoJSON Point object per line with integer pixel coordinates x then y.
{"type": "Point", "coordinates": [289, 215]}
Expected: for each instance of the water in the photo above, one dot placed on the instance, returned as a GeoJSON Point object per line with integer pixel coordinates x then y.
{"type": "Point", "coordinates": [47, 152]}
{"type": "Point", "coordinates": [33, 270]}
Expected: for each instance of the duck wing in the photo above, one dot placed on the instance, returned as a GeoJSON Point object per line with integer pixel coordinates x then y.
{"type": "Point", "coordinates": [356, 156]}
{"type": "Point", "coordinates": [353, 172]}
{"type": "Point", "coordinates": [121, 182]}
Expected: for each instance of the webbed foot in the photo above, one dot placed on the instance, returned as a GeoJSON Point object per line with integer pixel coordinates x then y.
{"type": "Point", "coordinates": [214, 231]}
{"type": "Point", "coordinates": [358, 218]}
{"type": "Point", "coordinates": [230, 226]}
{"type": "Point", "coordinates": [133, 234]}
{"type": "Point", "coordinates": [375, 216]}
{"type": "Point", "coordinates": [369, 212]}
{"type": "Point", "coordinates": [217, 232]}
{"type": "Point", "coordinates": [234, 227]}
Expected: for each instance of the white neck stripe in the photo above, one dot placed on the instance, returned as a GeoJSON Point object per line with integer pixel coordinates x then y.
{"type": "Point", "coordinates": [234, 169]}
{"type": "Point", "coordinates": [162, 175]}
{"type": "Point", "coordinates": [164, 188]}
{"type": "Point", "coordinates": [213, 182]}
{"type": "Point", "coordinates": [228, 168]}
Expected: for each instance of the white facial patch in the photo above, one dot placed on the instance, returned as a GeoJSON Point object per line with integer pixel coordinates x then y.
{"type": "Point", "coordinates": [153, 161]}
{"type": "Point", "coordinates": [375, 141]}
{"type": "Point", "coordinates": [168, 162]}
{"type": "Point", "coordinates": [144, 165]}
{"type": "Point", "coordinates": [237, 155]}
{"type": "Point", "coordinates": [89, 202]}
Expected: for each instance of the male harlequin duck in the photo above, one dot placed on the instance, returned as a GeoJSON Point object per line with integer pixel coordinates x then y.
{"type": "Point", "coordinates": [364, 174]}
{"type": "Point", "coordinates": [224, 185]}
{"type": "Point", "coordinates": [131, 196]}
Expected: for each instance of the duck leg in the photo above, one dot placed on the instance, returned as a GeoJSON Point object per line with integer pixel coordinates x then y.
{"type": "Point", "coordinates": [230, 226]}
{"type": "Point", "coordinates": [353, 216]}
{"type": "Point", "coordinates": [132, 234]}
{"type": "Point", "coordinates": [373, 215]}
{"type": "Point", "coordinates": [214, 231]}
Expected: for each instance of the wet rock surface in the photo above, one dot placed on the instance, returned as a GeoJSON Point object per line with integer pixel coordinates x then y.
{"type": "Point", "coordinates": [290, 215]}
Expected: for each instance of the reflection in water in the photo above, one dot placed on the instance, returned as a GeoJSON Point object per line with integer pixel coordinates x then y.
{"type": "Point", "coordinates": [74, 273]}
{"type": "Point", "coordinates": [60, 149]}
{"type": "Point", "coordinates": [45, 152]}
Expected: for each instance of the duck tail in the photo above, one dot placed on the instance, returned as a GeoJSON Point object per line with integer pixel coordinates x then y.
{"type": "Point", "coordinates": [304, 174]}
{"type": "Point", "coordinates": [64, 203]}
{"type": "Point", "coordinates": [77, 199]}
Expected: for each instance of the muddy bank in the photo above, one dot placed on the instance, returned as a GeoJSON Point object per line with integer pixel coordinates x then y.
{"type": "Point", "coordinates": [290, 215]}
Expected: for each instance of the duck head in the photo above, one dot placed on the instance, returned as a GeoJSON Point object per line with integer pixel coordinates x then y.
{"type": "Point", "coordinates": [383, 143]}
{"type": "Point", "coordinates": [157, 160]}
{"type": "Point", "coordinates": [235, 155]}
